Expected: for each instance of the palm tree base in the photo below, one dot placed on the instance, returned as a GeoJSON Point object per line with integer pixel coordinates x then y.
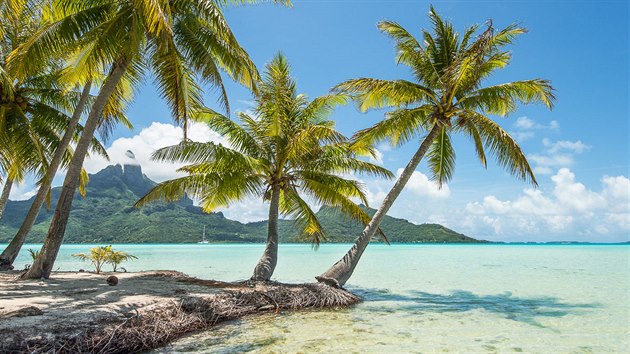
{"type": "Point", "coordinates": [5, 266]}
{"type": "Point", "coordinates": [329, 281]}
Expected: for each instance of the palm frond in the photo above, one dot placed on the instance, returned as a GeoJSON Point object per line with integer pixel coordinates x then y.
{"type": "Point", "coordinates": [502, 99]}
{"type": "Point", "coordinates": [507, 152]}
{"type": "Point", "coordinates": [399, 126]}
{"type": "Point", "coordinates": [374, 93]}
{"type": "Point", "coordinates": [441, 158]}
{"type": "Point", "coordinates": [239, 138]}
{"type": "Point", "coordinates": [292, 205]}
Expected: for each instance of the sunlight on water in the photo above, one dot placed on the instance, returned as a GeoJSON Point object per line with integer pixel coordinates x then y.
{"type": "Point", "coordinates": [420, 298]}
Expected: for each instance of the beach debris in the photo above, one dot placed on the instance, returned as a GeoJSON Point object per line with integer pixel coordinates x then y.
{"type": "Point", "coordinates": [112, 280]}
{"type": "Point", "coordinates": [25, 312]}
{"type": "Point", "coordinates": [154, 326]}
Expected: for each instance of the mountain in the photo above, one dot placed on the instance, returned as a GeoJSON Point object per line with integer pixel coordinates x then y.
{"type": "Point", "coordinates": [107, 215]}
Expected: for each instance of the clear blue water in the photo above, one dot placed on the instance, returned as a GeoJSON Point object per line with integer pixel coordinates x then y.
{"type": "Point", "coordinates": [419, 298]}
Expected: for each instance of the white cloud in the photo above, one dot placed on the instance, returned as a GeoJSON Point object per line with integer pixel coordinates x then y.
{"type": "Point", "coordinates": [159, 135]}
{"type": "Point", "coordinates": [558, 154]}
{"type": "Point", "coordinates": [525, 128]}
{"type": "Point", "coordinates": [156, 136]}
{"type": "Point", "coordinates": [524, 123]}
{"type": "Point", "coordinates": [384, 146]}
{"type": "Point", "coordinates": [377, 158]}
{"type": "Point", "coordinates": [420, 185]}
{"type": "Point", "coordinates": [22, 191]}
{"type": "Point", "coordinates": [577, 147]}
{"type": "Point", "coordinates": [248, 210]}
{"type": "Point", "coordinates": [569, 211]}
{"type": "Point", "coordinates": [522, 136]}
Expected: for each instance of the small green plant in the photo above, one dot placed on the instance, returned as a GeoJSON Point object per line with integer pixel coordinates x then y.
{"type": "Point", "coordinates": [97, 256]}
{"type": "Point", "coordinates": [117, 257]}
{"type": "Point", "coordinates": [34, 254]}
{"type": "Point", "coordinates": [100, 255]}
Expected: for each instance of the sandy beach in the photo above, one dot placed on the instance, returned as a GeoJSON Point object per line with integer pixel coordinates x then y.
{"type": "Point", "coordinates": [79, 311]}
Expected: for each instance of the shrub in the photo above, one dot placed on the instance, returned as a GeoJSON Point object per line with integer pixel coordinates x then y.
{"type": "Point", "coordinates": [100, 255]}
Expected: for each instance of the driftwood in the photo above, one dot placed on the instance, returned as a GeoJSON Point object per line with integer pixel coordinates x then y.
{"type": "Point", "coordinates": [145, 330]}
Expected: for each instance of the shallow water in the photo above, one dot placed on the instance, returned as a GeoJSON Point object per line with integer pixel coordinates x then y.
{"type": "Point", "coordinates": [419, 298]}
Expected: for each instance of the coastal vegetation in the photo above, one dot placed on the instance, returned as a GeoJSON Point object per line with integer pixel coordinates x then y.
{"type": "Point", "coordinates": [289, 147]}
{"type": "Point", "coordinates": [97, 256]}
{"type": "Point", "coordinates": [287, 150]}
{"type": "Point", "coordinates": [286, 153]}
{"type": "Point", "coordinates": [101, 255]}
{"type": "Point", "coordinates": [107, 216]}
{"type": "Point", "coordinates": [117, 43]}
{"type": "Point", "coordinates": [448, 97]}
{"type": "Point", "coordinates": [115, 258]}
{"type": "Point", "coordinates": [40, 115]}
{"type": "Point", "coordinates": [33, 253]}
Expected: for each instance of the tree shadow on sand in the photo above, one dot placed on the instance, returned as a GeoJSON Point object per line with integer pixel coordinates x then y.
{"type": "Point", "coordinates": [521, 309]}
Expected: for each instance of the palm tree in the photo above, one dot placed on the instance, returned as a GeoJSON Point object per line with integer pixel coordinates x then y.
{"type": "Point", "coordinates": [40, 130]}
{"type": "Point", "coordinates": [179, 40]}
{"type": "Point", "coordinates": [447, 97]}
{"type": "Point", "coordinates": [17, 141]}
{"type": "Point", "coordinates": [117, 257]}
{"type": "Point", "coordinates": [4, 195]}
{"type": "Point", "coordinates": [288, 150]}
{"type": "Point", "coordinates": [98, 256]}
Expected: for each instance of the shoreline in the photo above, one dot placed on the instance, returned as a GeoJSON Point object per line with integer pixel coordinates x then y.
{"type": "Point", "coordinates": [79, 312]}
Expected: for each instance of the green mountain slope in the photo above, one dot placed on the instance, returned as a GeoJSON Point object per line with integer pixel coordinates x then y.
{"type": "Point", "coordinates": [106, 215]}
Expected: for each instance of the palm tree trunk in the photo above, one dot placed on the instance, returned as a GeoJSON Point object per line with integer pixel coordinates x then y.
{"type": "Point", "coordinates": [10, 253]}
{"type": "Point", "coordinates": [267, 263]}
{"type": "Point", "coordinates": [4, 197]}
{"type": "Point", "coordinates": [340, 272]}
{"type": "Point", "coordinates": [42, 266]}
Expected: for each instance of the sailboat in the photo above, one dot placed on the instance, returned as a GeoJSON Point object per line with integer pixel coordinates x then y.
{"type": "Point", "coordinates": [203, 237]}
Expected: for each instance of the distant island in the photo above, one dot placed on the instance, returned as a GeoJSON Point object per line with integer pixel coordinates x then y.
{"type": "Point", "coordinates": [107, 215]}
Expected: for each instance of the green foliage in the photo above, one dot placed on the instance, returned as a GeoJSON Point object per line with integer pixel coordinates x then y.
{"type": "Point", "coordinates": [117, 257]}
{"type": "Point", "coordinates": [183, 44]}
{"type": "Point", "coordinates": [35, 109]}
{"type": "Point", "coordinates": [107, 216]}
{"type": "Point", "coordinates": [98, 256]}
{"type": "Point", "coordinates": [290, 147]}
{"type": "Point", "coordinates": [101, 255]}
{"type": "Point", "coordinates": [448, 95]}
{"type": "Point", "coordinates": [34, 254]}
{"type": "Point", "coordinates": [397, 230]}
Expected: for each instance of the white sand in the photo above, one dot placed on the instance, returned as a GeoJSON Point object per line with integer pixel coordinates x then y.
{"type": "Point", "coordinates": [70, 302]}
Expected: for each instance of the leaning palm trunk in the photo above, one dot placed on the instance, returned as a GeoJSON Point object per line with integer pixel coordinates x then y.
{"type": "Point", "coordinates": [340, 272]}
{"type": "Point", "coordinates": [42, 266]}
{"type": "Point", "coordinates": [267, 263]}
{"type": "Point", "coordinates": [4, 197]}
{"type": "Point", "coordinates": [10, 253]}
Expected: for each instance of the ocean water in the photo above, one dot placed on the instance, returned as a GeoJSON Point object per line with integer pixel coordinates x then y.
{"type": "Point", "coordinates": [418, 298]}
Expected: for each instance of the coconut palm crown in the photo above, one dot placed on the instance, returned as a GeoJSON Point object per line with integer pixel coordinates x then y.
{"type": "Point", "coordinates": [182, 42]}
{"type": "Point", "coordinates": [288, 152]}
{"type": "Point", "coordinates": [447, 97]}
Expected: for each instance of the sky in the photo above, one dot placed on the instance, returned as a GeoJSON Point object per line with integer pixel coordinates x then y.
{"type": "Point", "coordinates": [579, 150]}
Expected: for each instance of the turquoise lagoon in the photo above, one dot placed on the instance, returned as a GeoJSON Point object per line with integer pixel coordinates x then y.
{"type": "Point", "coordinates": [418, 298]}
